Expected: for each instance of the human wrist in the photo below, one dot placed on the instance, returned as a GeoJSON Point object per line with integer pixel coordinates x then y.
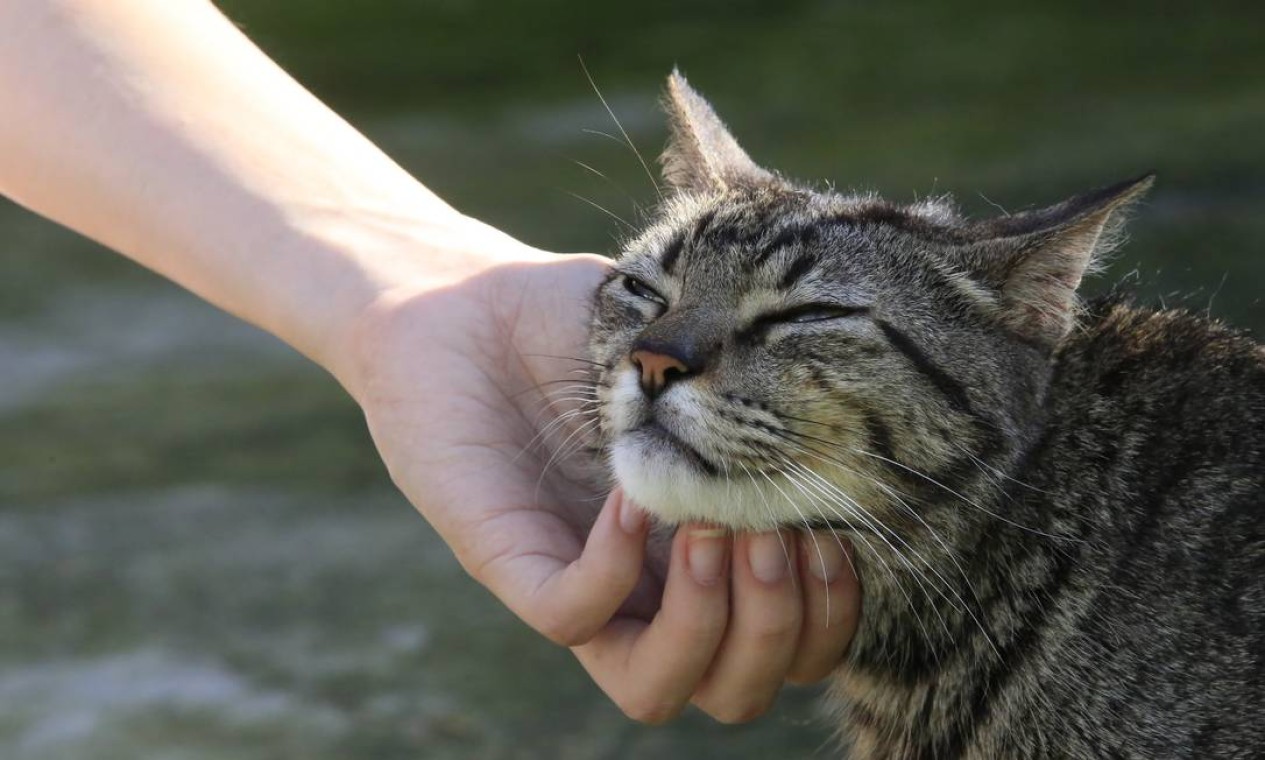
{"type": "Point", "coordinates": [385, 262]}
{"type": "Point", "coordinates": [193, 154]}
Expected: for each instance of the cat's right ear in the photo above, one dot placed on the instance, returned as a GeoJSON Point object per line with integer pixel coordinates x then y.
{"type": "Point", "coordinates": [701, 155]}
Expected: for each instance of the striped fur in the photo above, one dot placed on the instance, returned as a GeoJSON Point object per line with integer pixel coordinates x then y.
{"type": "Point", "coordinates": [1057, 512]}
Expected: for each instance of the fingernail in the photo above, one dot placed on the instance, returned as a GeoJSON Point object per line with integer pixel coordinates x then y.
{"type": "Point", "coordinates": [768, 557]}
{"type": "Point", "coordinates": [706, 555]}
{"type": "Point", "coordinates": [824, 553]}
{"type": "Point", "coordinates": [631, 518]}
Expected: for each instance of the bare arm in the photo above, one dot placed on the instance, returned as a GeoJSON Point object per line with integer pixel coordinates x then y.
{"type": "Point", "coordinates": [156, 128]}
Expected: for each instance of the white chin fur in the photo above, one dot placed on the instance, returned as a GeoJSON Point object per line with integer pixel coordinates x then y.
{"type": "Point", "coordinates": [673, 490]}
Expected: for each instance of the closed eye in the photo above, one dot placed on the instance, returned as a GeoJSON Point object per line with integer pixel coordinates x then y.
{"type": "Point", "coordinates": [809, 313]}
{"type": "Point", "coordinates": [812, 312]}
{"type": "Point", "coordinates": [642, 290]}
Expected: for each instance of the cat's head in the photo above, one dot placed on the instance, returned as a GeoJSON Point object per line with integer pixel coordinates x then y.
{"type": "Point", "coordinates": [775, 355]}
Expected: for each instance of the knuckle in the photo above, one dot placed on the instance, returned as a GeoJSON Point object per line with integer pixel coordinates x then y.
{"type": "Point", "coordinates": [700, 627]}
{"type": "Point", "coordinates": [805, 672]}
{"type": "Point", "coordinates": [736, 714]}
{"type": "Point", "coordinates": [773, 631]}
{"type": "Point", "coordinates": [564, 630]}
{"type": "Point", "coordinates": [805, 676]}
{"type": "Point", "coordinates": [612, 580]}
{"type": "Point", "coordinates": [652, 712]}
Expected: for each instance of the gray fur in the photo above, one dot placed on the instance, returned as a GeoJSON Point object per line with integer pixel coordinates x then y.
{"type": "Point", "coordinates": [1057, 512]}
{"type": "Point", "coordinates": [703, 156]}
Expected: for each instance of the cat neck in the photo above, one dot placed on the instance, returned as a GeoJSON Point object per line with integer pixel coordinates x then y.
{"type": "Point", "coordinates": [1139, 402]}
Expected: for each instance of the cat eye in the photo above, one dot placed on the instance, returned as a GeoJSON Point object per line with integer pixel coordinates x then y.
{"type": "Point", "coordinates": [808, 313]}
{"type": "Point", "coordinates": [815, 312]}
{"type": "Point", "coordinates": [642, 290]}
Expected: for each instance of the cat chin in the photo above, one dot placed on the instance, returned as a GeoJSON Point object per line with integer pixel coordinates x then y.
{"type": "Point", "coordinates": [675, 491]}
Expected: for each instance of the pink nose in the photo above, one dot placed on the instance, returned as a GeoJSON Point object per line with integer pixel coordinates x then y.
{"type": "Point", "coordinates": [657, 370]}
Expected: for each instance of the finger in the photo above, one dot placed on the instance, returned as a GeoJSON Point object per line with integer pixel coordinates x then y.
{"type": "Point", "coordinates": [577, 600]}
{"type": "Point", "coordinates": [764, 629]}
{"type": "Point", "coordinates": [651, 669]}
{"type": "Point", "coordinates": [832, 606]}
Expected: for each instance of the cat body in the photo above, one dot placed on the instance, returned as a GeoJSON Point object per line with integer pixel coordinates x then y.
{"type": "Point", "coordinates": [1058, 515]}
{"type": "Point", "coordinates": [1140, 631]}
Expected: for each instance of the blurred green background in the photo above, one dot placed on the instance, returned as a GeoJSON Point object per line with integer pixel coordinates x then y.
{"type": "Point", "coordinates": [201, 556]}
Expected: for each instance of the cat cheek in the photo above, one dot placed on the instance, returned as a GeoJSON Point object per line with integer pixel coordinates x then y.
{"type": "Point", "coordinates": [626, 407]}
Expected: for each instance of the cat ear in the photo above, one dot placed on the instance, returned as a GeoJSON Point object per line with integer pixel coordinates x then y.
{"type": "Point", "coordinates": [1036, 259]}
{"type": "Point", "coordinates": [701, 155]}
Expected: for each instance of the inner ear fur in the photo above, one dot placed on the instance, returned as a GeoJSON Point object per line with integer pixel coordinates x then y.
{"type": "Point", "coordinates": [1037, 259]}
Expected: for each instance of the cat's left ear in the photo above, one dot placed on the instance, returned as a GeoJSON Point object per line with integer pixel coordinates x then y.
{"type": "Point", "coordinates": [701, 155]}
{"type": "Point", "coordinates": [1036, 259]}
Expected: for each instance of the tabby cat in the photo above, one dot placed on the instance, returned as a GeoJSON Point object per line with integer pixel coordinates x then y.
{"type": "Point", "coordinates": [1058, 511]}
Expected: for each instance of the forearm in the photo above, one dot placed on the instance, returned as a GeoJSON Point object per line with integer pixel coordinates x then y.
{"type": "Point", "coordinates": [158, 129]}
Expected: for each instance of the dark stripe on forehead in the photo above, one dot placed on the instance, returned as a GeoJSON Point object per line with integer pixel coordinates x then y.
{"type": "Point", "coordinates": [949, 387]}
{"type": "Point", "coordinates": [901, 218]}
{"type": "Point", "coordinates": [700, 227]}
{"type": "Point", "coordinates": [672, 252]}
{"type": "Point", "coordinates": [680, 241]}
{"type": "Point", "coordinates": [802, 265]}
{"type": "Point", "coordinates": [784, 239]}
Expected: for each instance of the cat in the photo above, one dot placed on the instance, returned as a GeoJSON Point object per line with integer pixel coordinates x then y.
{"type": "Point", "coordinates": [1057, 509]}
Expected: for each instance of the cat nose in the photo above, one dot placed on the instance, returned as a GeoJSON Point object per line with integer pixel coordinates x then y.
{"type": "Point", "coordinates": [657, 370]}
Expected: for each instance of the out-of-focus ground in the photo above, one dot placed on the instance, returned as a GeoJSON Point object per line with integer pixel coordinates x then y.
{"type": "Point", "coordinates": [201, 556]}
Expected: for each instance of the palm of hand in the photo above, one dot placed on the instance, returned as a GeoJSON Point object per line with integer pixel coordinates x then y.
{"type": "Point", "coordinates": [456, 385]}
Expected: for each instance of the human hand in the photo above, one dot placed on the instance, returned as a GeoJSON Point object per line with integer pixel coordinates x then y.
{"type": "Point", "coordinates": [455, 380]}
{"type": "Point", "coordinates": [192, 153]}
{"type": "Point", "coordinates": [738, 616]}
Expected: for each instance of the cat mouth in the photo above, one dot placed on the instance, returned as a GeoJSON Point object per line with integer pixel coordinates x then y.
{"type": "Point", "coordinates": [661, 435]}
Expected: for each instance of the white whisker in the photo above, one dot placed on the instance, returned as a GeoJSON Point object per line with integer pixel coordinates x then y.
{"type": "Point", "coordinates": [658, 191]}
{"type": "Point", "coordinates": [559, 455]}
{"type": "Point", "coordinates": [964, 499]}
{"type": "Point", "coordinates": [602, 208]}
{"type": "Point", "coordinates": [772, 518]}
{"type": "Point", "coordinates": [855, 509]}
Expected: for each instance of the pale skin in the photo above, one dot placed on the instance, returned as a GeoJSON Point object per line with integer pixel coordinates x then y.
{"type": "Point", "coordinates": [156, 128]}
